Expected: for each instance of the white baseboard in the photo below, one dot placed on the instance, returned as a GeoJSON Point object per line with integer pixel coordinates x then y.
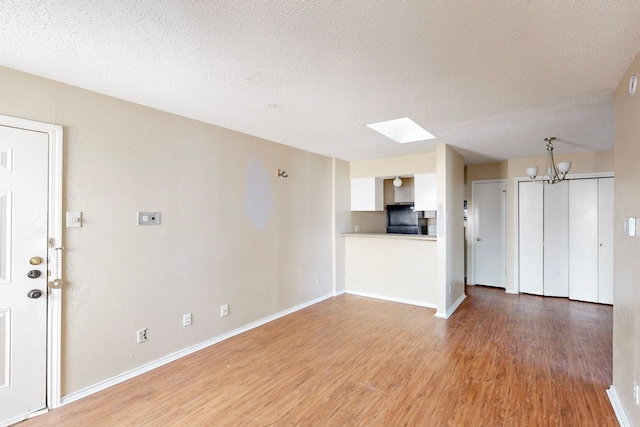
{"type": "Point", "coordinates": [385, 298]}
{"type": "Point", "coordinates": [72, 397]}
{"type": "Point", "coordinates": [17, 419]}
{"type": "Point", "coordinates": [617, 407]}
{"type": "Point", "coordinates": [511, 291]}
{"type": "Point", "coordinates": [344, 291]}
{"type": "Point", "coordinates": [451, 309]}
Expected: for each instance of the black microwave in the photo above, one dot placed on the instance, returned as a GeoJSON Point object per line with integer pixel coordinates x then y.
{"type": "Point", "coordinates": [402, 219]}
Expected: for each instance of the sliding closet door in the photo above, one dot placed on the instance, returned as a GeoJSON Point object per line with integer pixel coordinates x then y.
{"type": "Point", "coordinates": [605, 238]}
{"type": "Point", "coordinates": [556, 239]}
{"type": "Point", "coordinates": [530, 237]}
{"type": "Point", "coordinates": [583, 240]}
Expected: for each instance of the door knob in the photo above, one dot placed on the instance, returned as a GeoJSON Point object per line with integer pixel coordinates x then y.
{"type": "Point", "coordinates": [34, 293]}
{"type": "Point", "coordinates": [36, 260]}
{"type": "Point", "coordinates": [478, 239]}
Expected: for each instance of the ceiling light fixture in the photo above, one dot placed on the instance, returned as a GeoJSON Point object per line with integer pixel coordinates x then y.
{"type": "Point", "coordinates": [555, 173]}
{"type": "Point", "coordinates": [402, 130]}
{"type": "Point", "coordinates": [397, 182]}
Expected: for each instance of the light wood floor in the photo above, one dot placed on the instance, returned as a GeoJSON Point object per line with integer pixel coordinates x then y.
{"type": "Point", "coordinates": [500, 360]}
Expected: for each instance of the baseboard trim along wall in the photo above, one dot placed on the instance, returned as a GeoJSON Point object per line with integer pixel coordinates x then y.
{"type": "Point", "coordinates": [72, 397]}
{"type": "Point", "coordinates": [617, 407]}
{"type": "Point", "coordinates": [16, 420]}
{"type": "Point", "coordinates": [400, 300]}
{"type": "Point", "coordinates": [453, 308]}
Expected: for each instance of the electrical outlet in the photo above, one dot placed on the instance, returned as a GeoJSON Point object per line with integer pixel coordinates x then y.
{"type": "Point", "coordinates": [636, 393]}
{"type": "Point", "coordinates": [186, 319]}
{"type": "Point", "coordinates": [148, 218]}
{"type": "Point", "coordinates": [141, 335]}
{"type": "Point", "coordinates": [224, 310]}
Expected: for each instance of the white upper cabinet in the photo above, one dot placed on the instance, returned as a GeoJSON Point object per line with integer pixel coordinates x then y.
{"type": "Point", "coordinates": [367, 194]}
{"type": "Point", "coordinates": [425, 191]}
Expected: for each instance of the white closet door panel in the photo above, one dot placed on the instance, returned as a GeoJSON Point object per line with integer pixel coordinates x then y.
{"type": "Point", "coordinates": [605, 238]}
{"type": "Point", "coordinates": [583, 240]}
{"type": "Point", "coordinates": [530, 243]}
{"type": "Point", "coordinates": [556, 239]}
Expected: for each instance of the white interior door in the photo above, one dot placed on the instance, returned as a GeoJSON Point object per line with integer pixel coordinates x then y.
{"type": "Point", "coordinates": [23, 239]}
{"type": "Point", "coordinates": [530, 238]}
{"type": "Point", "coordinates": [556, 240]}
{"type": "Point", "coordinates": [605, 237]}
{"type": "Point", "coordinates": [489, 233]}
{"type": "Point", "coordinates": [583, 240]}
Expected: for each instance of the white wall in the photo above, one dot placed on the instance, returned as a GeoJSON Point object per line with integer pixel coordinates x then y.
{"type": "Point", "coordinates": [626, 304]}
{"type": "Point", "coordinates": [343, 220]}
{"type": "Point", "coordinates": [231, 231]}
{"type": "Point", "coordinates": [395, 268]}
{"type": "Point", "coordinates": [392, 166]}
{"type": "Point", "coordinates": [450, 229]}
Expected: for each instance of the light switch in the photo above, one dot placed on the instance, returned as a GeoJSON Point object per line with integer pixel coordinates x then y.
{"type": "Point", "coordinates": [630, 226]}
{"type": "Point", "coordinates": [74, 219]}
{"type": "Point", "coordinates": [148, 218]}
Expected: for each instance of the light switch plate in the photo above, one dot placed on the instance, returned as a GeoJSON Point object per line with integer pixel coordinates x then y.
{"type": "Point", "coordinates": [630, 226]}
{"type": "Point", "coordinates": [74, 219]}
{"type": "Point", "coordinates": [148, 218]}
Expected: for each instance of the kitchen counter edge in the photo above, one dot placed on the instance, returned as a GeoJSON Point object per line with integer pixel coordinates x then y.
{"type": "Point", "coordinates": [392, 236]}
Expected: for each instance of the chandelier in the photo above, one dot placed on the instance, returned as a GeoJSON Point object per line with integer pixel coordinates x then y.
{"type": "Point", "coordinates": [555, 173]}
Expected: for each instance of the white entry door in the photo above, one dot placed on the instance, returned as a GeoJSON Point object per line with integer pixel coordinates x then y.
{"type": "Point", "coordinates": [23, 272]}
{"type": "Point", "coordinates": [488, 200]}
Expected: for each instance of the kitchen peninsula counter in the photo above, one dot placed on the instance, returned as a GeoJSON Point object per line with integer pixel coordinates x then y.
{"type": "Point", "coordinates": [392, 236]}
{"type": "Point", "coordinates": [394, 267]}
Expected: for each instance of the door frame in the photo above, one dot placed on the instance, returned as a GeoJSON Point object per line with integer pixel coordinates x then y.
{"type": "Point", "coordinates": [54, 251]}
{"type": "Point", "coordinates": [471, 268]}
{"type": "Point", "coordinates": [516, 220]}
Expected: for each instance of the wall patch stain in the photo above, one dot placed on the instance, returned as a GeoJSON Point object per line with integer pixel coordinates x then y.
{"type": "Point", "coordinates": [259, 205]}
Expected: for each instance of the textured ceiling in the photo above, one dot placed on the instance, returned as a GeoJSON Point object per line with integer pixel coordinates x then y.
{"type": "Point", "coordinates": [491, 78]}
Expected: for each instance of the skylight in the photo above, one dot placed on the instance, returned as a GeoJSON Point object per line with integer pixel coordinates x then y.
{"type": "Point", "coordinates": [402, 130]}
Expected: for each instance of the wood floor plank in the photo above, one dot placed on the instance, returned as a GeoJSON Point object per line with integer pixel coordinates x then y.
{"type": "Point", "coordinates": [500, 360]}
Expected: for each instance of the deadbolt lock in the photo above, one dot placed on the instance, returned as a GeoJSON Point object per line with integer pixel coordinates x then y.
{"type": "Point", "coordinates": [34, 293]}
{"type": "Point", "coordinates": [34, 274]}
{"type": "Point", "coordinates": [36, 260]}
